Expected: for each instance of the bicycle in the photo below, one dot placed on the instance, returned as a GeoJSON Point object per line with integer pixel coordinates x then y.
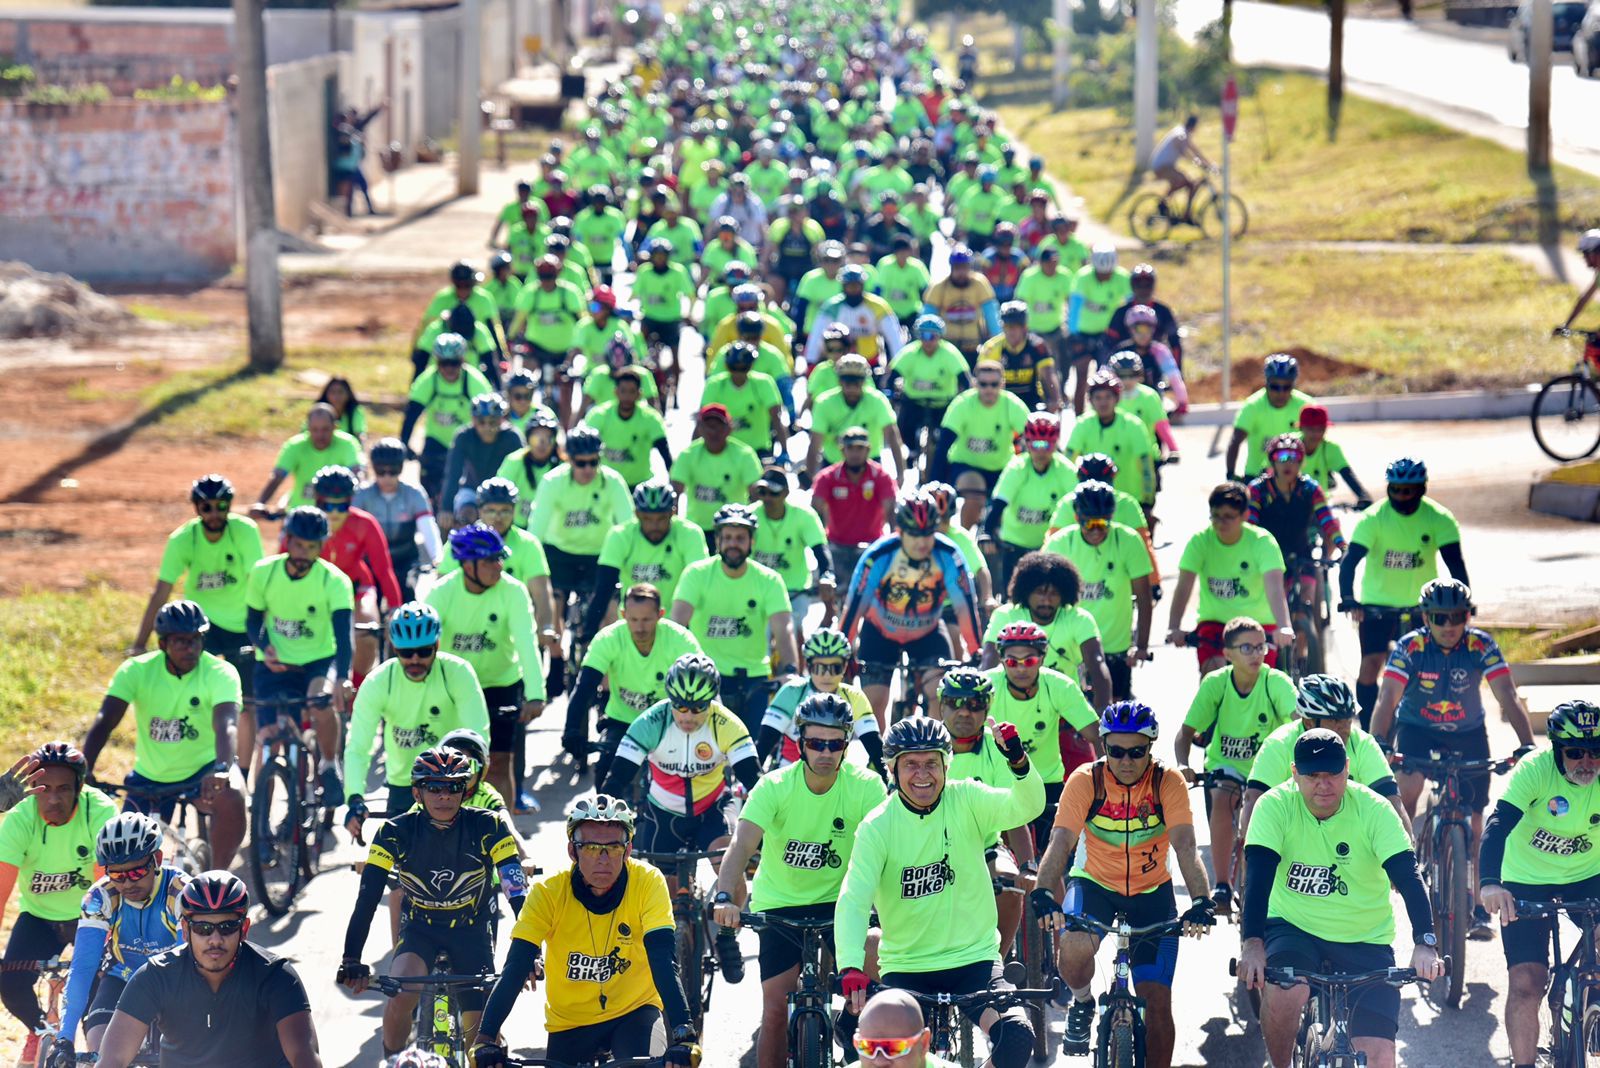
{"type": "Point", "coordinates": [1151, 219]}
{"type": "Point", "coordinates": [950, 1016]}
{"type": "Point", "coordinates": [54, 972]}
{"type": "Point", "coordinates": [1574, 983]}
{"type": "Point", "coordinates": [1121, 1034]}
{"type": "Point", "coordinates": [1034, 949]}
{"type": "Point", "coordinates": [1323, 1040]}
{"type": "Point", "coordinates": [1309, 618]}
{"type": "Point", "coordinates": [1566, 412]}
{"type": "Point", "coordinates": [1222, 780]}
{"type": "Point", "coordinates": [1444, 836]}
{"type": "Point", "coordinates": [438, 1018]}
{"type": "Point", "coordinates": [625, 1062]}
{"type": "Point", "coordinates": [662, 362]}
{"type": "Point", "coordinates": [811, 1002]}
{"type": "Point", "coordinates": [913, 699]}
{"type": "Point", "coordinates": [691, 914]}
{"type": "Point", "coordinates": [285, 821]}
{"type": "Point", "coordinates": [191, 853]}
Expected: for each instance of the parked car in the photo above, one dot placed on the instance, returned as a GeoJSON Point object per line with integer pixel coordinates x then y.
{"type": "Point", "coordinates": [1586, 43]}
{"type": "Point", "coordinates": [1567, 14]}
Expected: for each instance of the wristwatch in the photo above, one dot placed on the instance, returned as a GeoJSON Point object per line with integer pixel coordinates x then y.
{"type": "Point", "coordinates": [1430, 940]}
{"type": "Point", "coordinates": [722, 898]}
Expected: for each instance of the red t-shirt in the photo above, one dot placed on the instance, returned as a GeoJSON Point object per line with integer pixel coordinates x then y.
{"type": "Point", "coordinates": [854, 504]}
{"type": "Point", "coordinates": [361, 551]}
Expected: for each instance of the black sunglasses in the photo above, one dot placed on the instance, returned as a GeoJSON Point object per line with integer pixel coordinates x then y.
{"type": "Point", "coordinates": [1580, 752]}
{"type": "Point", "coordinates": [1116, 752]}
{"type": "Point", "coordinates": [1448, 619]}
{"type": "Point", "coordinates": [1280, 387]}
{"type": "Point", "coordinates": [585, 463]}
{"type": "Point", "coordinates": [440, 788]}
{"type": "Point", "coordinates": [826, 745]}
{"type": "Point", "coordinates": [977, 704]}
{"type": "Point", "coordinates": [386, 472]}
{"type": "Point", "coordinates": [206, 928]}
{"type": "Point", "coordinates": [416, 654]}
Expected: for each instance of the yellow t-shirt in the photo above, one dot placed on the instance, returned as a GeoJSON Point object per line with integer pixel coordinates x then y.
{"type": "Point", "coordinates": [587, 956]}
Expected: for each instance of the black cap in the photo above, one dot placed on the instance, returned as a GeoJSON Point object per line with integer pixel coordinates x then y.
{"type": "Point", "coordinates": [774, 478]}
{"type": "Point", "coordinates": [1319, 751]}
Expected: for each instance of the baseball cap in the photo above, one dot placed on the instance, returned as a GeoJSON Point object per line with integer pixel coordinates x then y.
{"type": "Point", "coordinates": [775, 479]}
{"type": "Point", "coordinates": [716, 411]}
{"type": "Point", "coordinates": [855, 435]}
{"type": "Point", "coordinates": [1313, 415]}
{"type": "Point", "coordinates": [1319, 751]}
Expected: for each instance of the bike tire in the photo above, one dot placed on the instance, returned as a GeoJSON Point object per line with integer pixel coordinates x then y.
{"type": "Point", "coordinates": [275, 837]}
{"type": "Point", "coordinates": [1119, 1041]}
{"type": "Point", "coordinates": [1456, 896]}
{"type": "Point", "coordinates": [1033, 952]}
{"type": "Point", "coordinates": [1590, 1033]}
{"type": "Point", "coordinates": [813, 1041]}
{"type": "Point", "coordinates": [689, 963]}
{"type": "Point", "coordinates": [968, 1054]}
{"type": "Point", "coordinates": [311, 822]}
{"type": "Point", "coordinates": [1209, 216]}
{"type": "Point", "coordinates": [1567, 402]}
{"type": "Point", "coordinates": [1146, 221]}
{"type": "Point", "coordinates": [1316, 658]}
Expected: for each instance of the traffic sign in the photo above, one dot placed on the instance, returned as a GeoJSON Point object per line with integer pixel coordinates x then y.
{"type": "Point", "coordinates": [1230, 107]}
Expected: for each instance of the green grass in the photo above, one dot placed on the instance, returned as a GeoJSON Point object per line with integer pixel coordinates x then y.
{"type": "Point", "coordinates": [170, 316]}
{"type": "Point", "coordinates": [1521, 644]}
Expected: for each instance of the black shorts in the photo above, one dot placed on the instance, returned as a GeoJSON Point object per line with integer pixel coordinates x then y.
{"type": "Point", "coordinates": [227, 644]}
{"type": "Point", "coordinates": [1086, 347]}
{"type": "Point", "coordinates": [746, 696]}
{"type": "Point", "coordinates": [467, 948]}
{"type": "Point", "coordinates": [432, 462]}
{"type": "Point", "coordinates": [104, 1004]}
{"type": "Point", "coordinates": [1381, 627]}
{"type": "Point", "coordinates": [990, 478]}
{"type": "Point", "coordinates": [964, 979]}
{"type": "Point", "coordinates": [1121, 676]}
{"type": "Point", "coordinates": [911, 416]}
{"type": "Point", "coordinates": [1528, 940]}
{"type": "Point", "coordinates": [666, 333]}
{"type": "Point", "coordinates": [1375, 1009]}
{"type": "Point", "coordinates": [1413, 741]}
{"type": "Point", "coordinates": [1155, 960]}
{"type": "Point", "coordinates": [1045, 820]}
{"type": "Point", "coordinates": [504, 724]}
{"type": "Point", "coordinates": [879, 656]}
{"type": "Point", "coordinates": [570, 572]}
{"type": "Point", "coordinates": [780, 947]}
{"type": "Point", "coordinates": [401, 800]}
{"type": "Point", "coordinates": [165, 806]}
{"type": "Point", "coordinates": [660, 831]}
{"type": "Point", "coordinates": [632, 1034]}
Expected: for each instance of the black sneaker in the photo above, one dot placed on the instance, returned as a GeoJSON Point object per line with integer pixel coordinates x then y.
{"type": "Point", "coordinates": [1482, 929]}
{"type": "Point", "coordinates": [1080, 1018]}
{"type": "Point", "coordinates": [729, 957]}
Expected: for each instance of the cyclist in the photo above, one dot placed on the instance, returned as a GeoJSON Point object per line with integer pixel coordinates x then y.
{"type": "Point", "coordinates": [445, 857]}
{"type": "Point", "coordinates": [739, 611]}
{"type": "Point", "coordinates": [854, 405]}
{"type": "Point", "coordinates": [725, 247]}
{"type": "Point", "coordinates": [1098, 289]}
{"type": "Point", "coordinates": [1098, 467]}
{"type": "Point", "coordinates": [967, 304]}
{"type": "Point", "coordinates": [502, 285]}
{"type": "Point", "coordinates": [921, 381]}
{"type": "Point", "coordinates": [306, 453]}
{"type": "Point", "coordinates": [1113, 567]}
{"type": "Point", "coordinates": [819, 285]}
{"type": "Point", "coordinates": [902, 277]}
{"type": "Point", "coordinates": [791, 243]}
{"type": "Point", "coordinates": [128, 916]}
{"type": "Point", "coordinates": [443, 393]}
{"type": "Point", "coordinates": [476, 335]}
{"type": "Point", "coordinates": [288, 597]}
{"type": "Point", "coordinates": [634, 654]}
{"type": "Point", "coordinates": [598, 230]}
{"type": "Point", "coordinates": [1063, 238]}
{"type": "Point", "coordinates": [855, 499]}
{"type": "Point", "coordinates": [415, 700]}
{"type": "Point", "coordinates": [1108, 430]}
{"type": "Point", "coordinates": [714, 471]}
{"type": "Point", "coordinates": [185, 709]}
{"type": "Point", "coordinates": [466, 288]}
{"type": "Point", "coordinates": [811, 810]}
{"type": "Point", "coordinates": [489, 623]}
{"type": "Point", "coordinates": [526, 562]}
{"type": "Point", "coordinates": [896, 598]}
{"type": "Point", "coordinates": [1431, 701]}
{"type": "Point", "coordinates": [356, 546]}
{"type": "Point", "coordinates": [476, 453]}
{"type": "Point", "coordinates": [785, 532]}
{"type": "Point", "coordinates": [1178, 143]}
{"type": "Point", "coordinates": [665, 291]}
{"type": "Point", "coordinates": [1240, 573]}
{"type": "Point", "coordinates": [1025, 496]}
{"type": "Point", "coordinates": [754, 404]}
{"type": "Point", "coordinates": [919, 859]}
{"type": "Point", "coordinates": [607, 993]}
{"type": "Point", "coordinates": [1325, 459]}
{"type": "Point", "coordinates": [213, 553]}
{"type": "Point", "coordinates": [1045, 289]}
{"type": "Point", "coordinates": [1028, 360]}
{"type": "Point", "coordinates": [828, 656]}
{"type": "Point", "coordinates": [1289, 505]}
{"type": "Point", "coordinates": [1133, 813]}
{"type": "Point", "coordinates": [526, 467]}
{"type": "Point", "coordinates": [1236, 708]}
{"type": "Point", "coordinates": [1044, 591]}
{"type": "Point", "coordinates": [1272, 410]}
{"type": "Point", "coordinates": [1319, 860]}
{"type": "Point", "coordinates": [256, 1012]}
{"type": "Point", "coordinates": [654, 546]}
{"type": "Point", "coordinates": [1589, 249]}
{"type": "Point", "coordinates": [547, 314]}
{"type": "Point", "coordinates": [403, 511]}
{"type": "Point", "coordinates": [1402, 541]}
{"type": "Point", "coordinates": [891, 1031]}
{"type": "Point", "coordinates": [1143, 363]}
{"type": "Point", "coordinates": [975, 439]}
{"type": "Point", "coordinates": [1533, 849]}
{"type": "Point", "coordinates": [629, 431]}
{"type": "Point", "coordinates": [872, 322]}
{"type": "Point", "coordinates": [50, 871]}
{"type": "Point", "coordinates": [1142, 280]}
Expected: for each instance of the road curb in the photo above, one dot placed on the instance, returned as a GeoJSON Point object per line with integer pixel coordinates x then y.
{"type": "Point", "coordinates": [1399, 407]}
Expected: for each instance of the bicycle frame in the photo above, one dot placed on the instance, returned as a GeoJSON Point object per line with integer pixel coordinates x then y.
{"type": "Point", "coordinates": [1578, 974]}
{"type": "Point", "coordinates": [691, 912]}
{"type": "Point", "coordinates": [1324, 1039]}
{"type": "Point", "coordinates": [438, 1013]}
{"type": "Point", "coordinates": [941, 1010]}
{"type": "Point", "coordinates": [192, 853]}
{"type": "Point", "coordinates": [812, 996]}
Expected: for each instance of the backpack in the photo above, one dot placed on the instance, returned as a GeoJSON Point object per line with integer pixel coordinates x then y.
{"type": "Point", "coordinates": [1098, 771]}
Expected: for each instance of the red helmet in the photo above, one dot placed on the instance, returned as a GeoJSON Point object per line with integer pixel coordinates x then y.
{"type": "Point", "coordinates": [1042, 426]}
{"type": "Point", "coordinates": [1024, 633]}
{"type": "Point", "coordinates": [605, 296]}
{"type": "Point", "coordinates": [917, 514]}
{"type": "Point", "coordinates": [1287, 443]}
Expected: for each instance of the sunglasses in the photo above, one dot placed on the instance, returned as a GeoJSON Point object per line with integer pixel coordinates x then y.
{"type": "Point", "coordinates": [596, 850]}
{"type": "Point", "coordinates": [334, 506]}
{"type": "Point", "coordinates": [885, 1047]}
{"type": "Point", "coordinates": [1280, 387]}
{"type": "Point", "coordinates": [768, 491]}
{"type": "Point", "coordinates": [988, 383]}
{"type": "Point", "coordinates": [1116, 752]}
{"type": "Point", "coordinates": [440, 789]}
{"type": "Point", "coordinates": [206, 928]}
{"type": "Point", "coordinates": [416, 654]}
{"type": "Point", "coordinates": [692, 710]}
{"type": "Point", "coordinates": [826, 745]}
{"type": "Point", "coordinates": [450, 363]}
{"type": "Point", "coordinates": [580, 464]}
{"type": "Point", "coordinates": [976, 704]}
{"type": "Point", "coordinates": [1405, 493]}
{"type": "Point", "coordinates": [1283, 456]}
{"type": "Point", "coordinates": [1251, 648]}
{"type": "Point", "coordinates": [215, 507]}
{"type": "Point", "coordinates": [1095, 524]}
{"type": "Point", "coordinates": [851, 380]}
{"type": "Point", "coordinates": [1040, 443]}
{"type": "Point", "coordinates": [521, 394]}
{"type": "Point", "coordinates": [132, 875]}
{"type": "Point", "coordinates": [1031, 660]}
{"type": "Point", "coordinates": [819, 667]}
{"type": "Point", "coordinates": [386, 472]}
{"type": "Point", "coordinates": [1448, 619]}
{"type": "Point", "coordinates": [929, 335]}
{"type": "Point", "coordinates": [1580, 752]}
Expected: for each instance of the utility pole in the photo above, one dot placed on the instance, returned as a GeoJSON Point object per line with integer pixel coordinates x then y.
{"type": "Point", "coordinates": [1336, 12]}
{"type": "Point", "coordinates": [1062, 45]}
{"type": "Point", "coordinates": [1541, 32]}
{"type": "Point", "coordinates": [469, 135]}
{"type": "Point", "coordinates": [1145, 57]}
{"type": "Point", "coordinates": [263, 297]}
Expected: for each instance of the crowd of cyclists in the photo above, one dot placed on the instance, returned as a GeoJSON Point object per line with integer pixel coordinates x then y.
{"type": "Point", "coordinates": [957, 573]}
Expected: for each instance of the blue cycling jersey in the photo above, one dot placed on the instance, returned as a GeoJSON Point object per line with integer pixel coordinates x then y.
{"type": "Point", "coordinates": [1442, 685]}
{"type": "Point", "coordinates": [117, 936]}
{"type": "Point", "coordinates": [904, 598]}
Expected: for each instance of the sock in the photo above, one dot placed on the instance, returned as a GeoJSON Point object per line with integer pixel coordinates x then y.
{"type": "Point", "coordinates": [1082, 993]}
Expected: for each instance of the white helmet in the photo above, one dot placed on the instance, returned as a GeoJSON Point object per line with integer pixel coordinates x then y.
{"type": "Point", "coordinates": [1590, 241]}
{"type": "Point", "coordinates": [1103, 258]}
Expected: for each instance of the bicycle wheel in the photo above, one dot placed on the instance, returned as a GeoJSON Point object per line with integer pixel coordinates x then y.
{"type": "Point", "coordinates": [1591, 1033]}
{"type": "Point", "coordinates": [1146, 219]}
{"type": "Point", "coordinates": [813, 1041]}
{"type": "Point", "coordinates": [1033, 956]}
{"type": "Point", "coordinates": [1566, 418]}
{"type": "Point", "coordinates": [275, 837]}
{"type": "Point", "coordinates": [311, 816]}
{"type": "Point", "coordinates": [967, 1055]}
{"type": "Point", "coordinates": [1119, 1040]}
{"type": "Point", "coordinates": [689, 960]}
{"type": "Point", "coordinates": [1453, 914]}
{"type": "Point", "coordinates": [1209, 215]}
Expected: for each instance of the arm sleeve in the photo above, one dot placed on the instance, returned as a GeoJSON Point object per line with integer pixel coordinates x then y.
{"type": "Point", "coordinates": [383, 565]}
{"type": "Point", "coordinates": [408, 422]}
{"type": "Point", "coordinates": [1164, 435]}
{"type": "Point", "coordinates": [873, 744]}
{"type": "Point", "coordinates": [370, 892]}
{"type": "Point", "coordinates": [824, 559]}
{"type": "Point", "coordinates": [583, 697]}
{"type": "Point", "coordinates": [1074, 309]}
{"type": "Point", "coordinates": [1261, 869]}
{"type": "Point", "coordinates": [1402, 871]}
{"type": "Point", "coordinates": [1347, 571]}
{"type": "Point", "coordinates": [991, 516]}
{"type": "Point", "coordinates": [1492, 853]}
{"type": "Point", "coordinates": [767, 740]}
{"type": "Point", "coordinates": [991, 316]}
{"type": "Point", "coordinates": [254, 620]}
{"type": "Point", "coordinates": [341, 643]}
{"type": "Point", "coordinates": [660, 948]}
{"type": "Point", "coordinates": [605, 587]}
{"type": "Point", "coordinates": [619, 779]}
{"type": "Point", "coordinates": [87, 946]}
{"type": "Point", "coordinates": [454, 462]}
{"type": "Point", "coordinates": [1451, 555]}
{"type": "Point", "coordinates": [520, 959]}
{"type": "Point", "coordinates": [747, 771]}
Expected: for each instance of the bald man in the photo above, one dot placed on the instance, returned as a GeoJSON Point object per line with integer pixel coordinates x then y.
{"type": "Point", "coordinates": [891, 1032]}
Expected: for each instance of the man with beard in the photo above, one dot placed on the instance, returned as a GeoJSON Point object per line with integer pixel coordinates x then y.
{"type": "Point", "coordinates": [302, 456]}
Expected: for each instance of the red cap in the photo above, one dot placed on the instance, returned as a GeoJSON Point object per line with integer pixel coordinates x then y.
{"type": "Point", "coordinates": [718, 410]}
{"type": "Point", "coordinates": [1313, 415]}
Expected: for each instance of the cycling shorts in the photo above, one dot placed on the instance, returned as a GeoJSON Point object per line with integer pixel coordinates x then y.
{"type": "Point", "coordinates": [879, 655]}
{"type": "Point", "coordinates": [539, 356]}
{"type": "Point", "coordinates": [990, 478]}
{"type": "Point", "coordinates": [1057, 340]}
{"type": "Point", "coordinates": [1045, 820]}
{"type": "Point", "coordinates": [780, 947]}
{"type": "Point", "coordinates": [1209, 638]}
{"type": "Point", "coordinates": [1375, 1009]}
{"type": "Point", "coordinates": [1121, 676]}
{"type": "Point", "coordinates": [291, 685]}
{"type": "Point", "coordinates": [661, 831]}
{"type": "Point", "coordinates": [504, 724]}
{"type": "Point", "coordinates": [1087, 347]}
{"type": "Point", "coordinates": [104, 1005]}
{"type": "Point", "coordinates": [1528, 940]}
{"type": "Point", "coordinates": [466, 947]}
{"type": "Point", "coordinates": [1411, 740]}
{"type": "Point", "coordinates": [571, 572]}
{"type": "Point", "coordinates": [668, 334]}
{"type": "Point", "coordinates": [1154, 959]}
{"type": "Point", "coordinates": [964, 979]}
{"type": "Point", "coordinates": [639, 1033]}
{"type": "Point", "coordinates": [1381, 627]}
{"type": "Point", "coordinates": [163, 807]}
{"type": "Point", "coordinates": [229, 645]}
{"type": "Point", "coordinates": [746, 696]}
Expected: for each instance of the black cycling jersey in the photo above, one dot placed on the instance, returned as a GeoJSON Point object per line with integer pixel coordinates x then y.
{"type": "Point", "coordinates": [1289, 519]}
{"type": "Point", "coordinates": [447, 872]}
{"type": "Point", "coordinates": [1022, 367]}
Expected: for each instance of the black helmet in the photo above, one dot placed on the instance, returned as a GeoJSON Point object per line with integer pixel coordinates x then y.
{"type": "Point", "coordinates": [1094, 500]}
{"type": "Point", "coordinates": [333, 483]}
{"type": "Point", "coordinates": [825, 710]}
{"type": "Point", "coordinates": [463, 273]}
{"type": "Point", "coordinates": [496, 491]}
{"type": "Point", "coordinates": [65, 755]}
{"type": "Point", "coordinates": [214, 891]}
{"type": "Point", "coordinates": [211, 488]}
{"type": "Point", "coordinates": [917, 734]}
{"type": "Point", "coordinates": [440, 765]}
{"type": "Point", "coordinates": [181, 617]}
{"type": "Point", "coordinates": [307, 524]}
{"type": "Point", "coordinates": [1445, 595]}
{"type": "Point", "coordinates": [390, 452]}
{"type": "Point", "coordinates": [583, 440]}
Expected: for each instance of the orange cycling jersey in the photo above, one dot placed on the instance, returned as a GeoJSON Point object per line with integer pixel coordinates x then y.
{"type": "Point", "coordinates": [1124, 827]}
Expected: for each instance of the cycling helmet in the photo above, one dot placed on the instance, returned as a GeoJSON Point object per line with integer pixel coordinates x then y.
{"type": "Point", "coordinates": [1103, 258]}
{"type": "Point", "coordinates": [1126, 364]}
{"type": "Point", "coordinates": [333, 483]}
{"type": "Point", "coordinates": [1445, 595]}
{"type": "Point", "coordinates": [1574, 722]}
{"type": "Point", "coordinates": [966, 682]}
{"type": "Point", "coordinates": [469, 743]}
{"type": "Point", "coordinates": [521, 378]}
{"type": "Point", "coordinates": [734, 515]}
{"type": "Point", "coordinates": [750, 323]}
{"type": "Point", "coordinates": [1042, 426]}
{"type": "Point", "coordinates": [1406, 472]}
{"type": "Point", "coordinates": [583, 440]}
{"type": "Point", "coordinates": [692, 681]}
{"type": "Point", "coordinates": [852, 272]}
{"type": "Point", "coordinates": [1097, 467]}
{"type": "Point", "coordinates": [1105, 378]}
{"type": "Point", "coordinates": [1129, 717]}
{"type": "Point", "coordinates": [830, 250]}
{"type": "Point", "coordinates": [746, 294]}
{"type": "Point", "coordinates": [496, 491]}
{"type": "Point", "coordinates": [1005, 233]}
{"type": "Point", "coordinates": [1013, 311]}
{"type": "Point", "coordinates": [1590, 241]}
{"type": "Point", "coordinates": [62, 754]}
{"type": "Point", "coordinates": [660, 245]}
{"type": "Point", "coordinates": [181, 617]}
{"type": "Point", "coordinates": [1094, 500]}
{"type": "Point", "coordinates": [655, 497]}
{"type": "Point", "coordinates": [736, 271]}
{"type": "Point", "coordinates": [414, 625]}
{"type": "Point", "coordinates": [917, 514]}
{"type": "Point", "coordinates": [739, 356]}
{"type": "Point", "coordinates": [211, 488]}
{"type": "Point", "coordinates": [214, 891]}
{"type": "Point", "coordinates": [825, 710]}
{"type": "Point", "coordinates": [1281, 365]}
{"type": "Point", "coordinates": [1142, 274]}
{"type": "Point", "coordinates": [1325, 697]}
{"type": "Point", "coordinates": [389, 452]}
{"type": "Point", "coordinates": [463, 273]}
{"type": "Point", "coordinates": [129, 836]}
{"type": "Point", "coordinates": [960, 254]}
{"type": "Point", "coordinates": [557, 243]}
{"type": "Point", "coordinates": [542, 418]}
{"type": "Point", "coordinates": [837, 332]}
{"type": "Point", "coordinates": [917, 734]}
{"type": "Point", "coordinates": [1141, 313]}
{"type": "Point", "coordinates": [500, 261]}
{"type": "Point", "coordinates": [604, 296]}
{"type": "Point", "coordinates": [307, 524]}
{"type": "Point", "coordinates": [439, 765]}
{"type": "Point", "coordinates": [459, 320]}
{"type": "Point", "coordinates": [489, 404]}
{"type": "Point", "coordinates": [416, 1057]}
{"type": "Point", "coordinates": [1024, 633]}
{"type": "Point", "coordinates": [601, 808]}
{"type": "Point", "coordinates": [449, 348]}
{"type": "Point", "coordinates": [477, 541]}
{"type": "Point", "coordinates": [1286, 443]}
{"type": "Point", "coordinates": [929, 324]}
{"type": "Point", "coordinates": [827, 642]}
{"type": "Point", "coordinates": [547, 266]}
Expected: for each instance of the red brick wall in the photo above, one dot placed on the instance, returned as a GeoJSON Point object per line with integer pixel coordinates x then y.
{"type": "Point", "coordinates": [124, 55]}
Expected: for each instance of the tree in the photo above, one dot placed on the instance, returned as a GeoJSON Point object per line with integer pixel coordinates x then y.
{"type": "Point", "coordinates": [1336, 9]}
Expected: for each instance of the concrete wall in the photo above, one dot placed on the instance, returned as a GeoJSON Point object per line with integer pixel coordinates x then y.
{"type": "Point", "coordinates": [125, 191]}
{"type": "Point", "coordinates": [127, 48]}
{"type": "Point", "coordinates": [298, 99]}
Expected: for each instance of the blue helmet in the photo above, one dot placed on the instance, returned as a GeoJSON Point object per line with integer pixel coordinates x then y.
{"type": "Point", "coordinates": [1129, 717]}
{"type": "Point", "coordinates": [960, 254]}
{"type": "Point", "coordinates": [852, 272]}
{"type": "Point", "coordinates": [414, 625]}
{"type": "Point", "coordinates": [1407, 471]}
{"type": "Point", "coordinates": [1281, 365]}
{"type": "Point", "coordinates": [477, 541]}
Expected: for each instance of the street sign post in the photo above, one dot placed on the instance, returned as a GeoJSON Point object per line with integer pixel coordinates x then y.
{"type": "Point", "coordinates": [1230, 119]}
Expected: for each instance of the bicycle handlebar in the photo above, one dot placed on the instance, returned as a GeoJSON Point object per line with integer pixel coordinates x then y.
{"type": "Point", "coordinates": [682, 856]}
{"type": "Point", "coordinates": [626, 1062]}
{"type": "Point", "coordinates": [155, 791]}
{"type": "Point", "coordinates": [998, 1000]}
{"type": "Point", "coordinates": [392, 985]}
{"type": "Point", "coordinates": [54, 964]}
{"type": "Point", "coordinates": [1093, 926]}
{"type": "Point", "coordinates": [757, 920]}
{"type": "Point", "coordinates": [1296, 976]}
{"type": "Point", "coordinates": [1447, 764]}
{"type": "Point", "coordinates": [1585, 906]}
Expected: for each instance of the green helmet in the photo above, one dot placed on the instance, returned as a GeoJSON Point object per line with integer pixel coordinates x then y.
{"type": "Point", "coordinates": [828, 642]}
{"type": "Point", "coordinates": [692, 681]}
{"type": "Point", "coordinates": [966, 682]}
{"type": "Point", "coordinates": [1575, 722]}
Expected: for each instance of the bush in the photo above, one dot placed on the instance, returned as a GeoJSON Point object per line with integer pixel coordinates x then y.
{"type": "Point", "coordinates": [178, 89]}
{"type": "Point", "coordinates": [15, 78]}
{"type": "Point", "coordinates": [1187, 75]}
{"type": "Point", "coordinates": [97, 93]}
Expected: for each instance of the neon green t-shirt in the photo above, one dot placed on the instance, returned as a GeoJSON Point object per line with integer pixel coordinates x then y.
{"type": "Point", "coordinates": [1031, 497]}
{"type": "Point", "coordinates": [1046, 296]}
{"type": "Point", "coordinates": [599, 231]}
{"type": "Point", "coordinates": [637, 560]}
{"type": "Point", "coordinates": [626, 444]}
{"type": "Point", "coordinates": [302, 460]}
{"type": "Point", "coordinates": [517, 469]}
{"type": "Point", "coordinates": [172, 713]}
{"type": "Point", "coordinates": [659, 293]}
{"type": "Point", "coordinates": [1101, 297]}
{"type": "Point", "coordinates": [1324, 464]}
{"type": "Point", "coordinates": [638, 680]}
{"type": "Point", "coordinates": [750, 406]}
{"type": "Point", "coordinates": [1126, 441]}
{"type": "Point", "coordinates": [816, 288]}
{"type": "Point", "coordinates": [55, 865]}
{"type": "Point", "coordinates": [412, 716]}
{"type": "Point", "coordinates": [526, 562]}
{"type": "Point", "coordinates": [1261, 422]}
{"type": "Point", "coordinates": [447, 406]}
{"type": "Point", "coordinates": [576, 518]}
{"type": "Point", "coordinates": [709, 480]}
{"type": "Point", "coordinates": [492, 631]}
{"type": "Point", "coordinates": [1056, 700]}
{"type": "Point", "coordinates": [1274, 762]}
{"type": "Point", "coordinates": [807, 837]}
{"type": "Point", "coordinates": [902, 287]}
{"type": "Point", "coordinates": [1143, 403]}
{"type": "Point", "coordinates": [785, 544]}
{"type": "Point", "coordinates": [832, 415]}
{"type": "Point", "coordinates": [298, 613]}
{"type": "Point", "coordinates": [1106, 573]}
{"type": "Point", "coordinates": [984, 435]}
{"type": "Point", "coordinates": [1067, 632]}
{"type": "Point", "coordinates": [1553, 841]}
{"type": "Point", "coordinates": [551, 315]}
{"type": "Point", "coordinates": [970, 552]}
{"type": "Point", "coordinates": [1232, 578]}
{"type": "Point", "coordinates": [1128, 512]}
{"type": "Point", "coordinates": [731, 614]}
{"type": "Point", "coordinates": [216, 570]}
{"type": "Point", "coordinates": [1238, 724]}
{"type": "Point", "coordinates": [715, 258]}
{"type": "Point", "coordinates": [1402, 551]}
{"type": "Point", "coordinates": [934, 378]}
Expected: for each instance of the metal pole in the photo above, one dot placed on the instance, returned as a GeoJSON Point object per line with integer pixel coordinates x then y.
{"type": "Point", "coordinates": [470, 134]}
{"type": "Point", "coordinates": [263, 298]}
{"type": "Point", "coordinates": [1541, 32]}
{"type": "Point", "coordinates": [1145, 56]}
{"type": "Point", "coordinates": [1227, 270]}
{"type": "Point", "coordinates": [1061, 44]}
